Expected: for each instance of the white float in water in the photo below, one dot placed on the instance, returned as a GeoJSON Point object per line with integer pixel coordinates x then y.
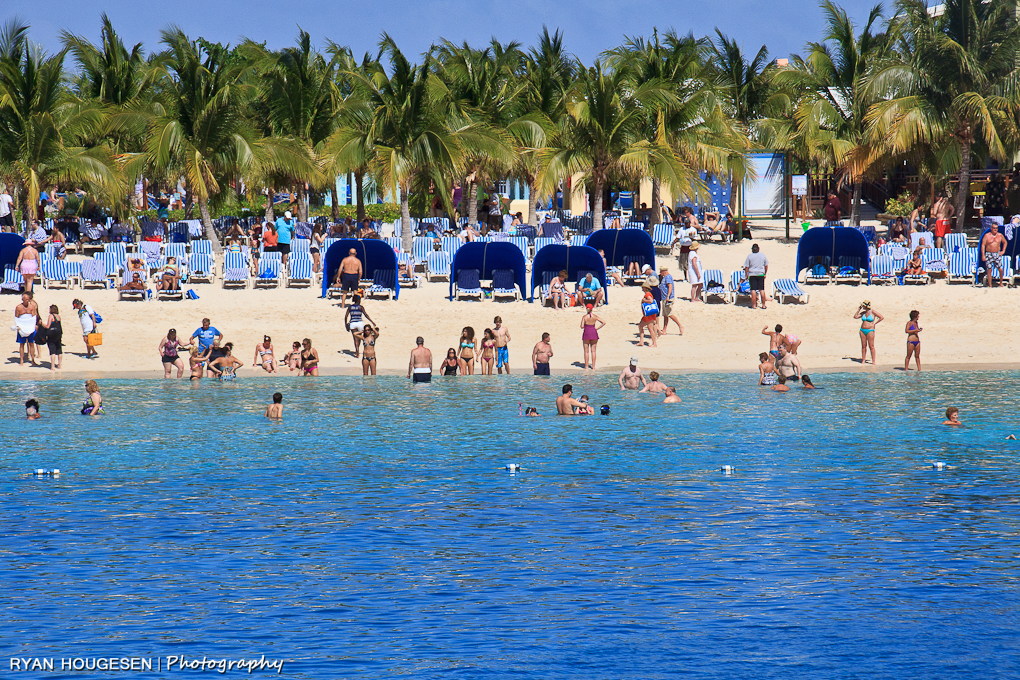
{"type": "Point", "coordinates": [513, 467]}
{"type": "Point", "coordinates": [728, 469]}
{"type": "Point", "coordinates": [939, 465]}
{"type": "Point", "coordinates": [42, 472]}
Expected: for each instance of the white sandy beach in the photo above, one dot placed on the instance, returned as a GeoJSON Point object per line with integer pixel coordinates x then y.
{"type": "Point", "coordinates": [961, 323]}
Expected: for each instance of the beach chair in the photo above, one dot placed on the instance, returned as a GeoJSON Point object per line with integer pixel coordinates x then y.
{"type": "Point", "coordinates": [438, 265]}
{"type": "Point", "coordinates": [715, 285]}
{"type": "Point", "coordinates": [326, 243]}
{"type": "Point", "coordinates": [542, 242]}
{"type": "Point", "coordinates": [270, 273]}
{"type": "Point", "coordinates": [934, 260]}
{"type": "Point", "coordinates": [734, 289]}
{"type": "Point", "coordinates": [923, 278]}
{"type": "Point", "coordinates": [93, 274]}
{"type": "Point", "coordinates": [1007, 273]}
{"type": "Point", "coordinates": [91, 237]}
{"type": "Point", "coordinates": [236, 272]}
{"type": "Point", "coordinates": [578, 239]}
{"type": "Point", "coordinates": [201, 268]}
{"type": "Point", "coordinates": [663, 236]}
{"type": "Point", "coordinates": [451, 244]}
{"type": "Point", "coordinates": [818, 272]}
{"type": "Point", "coordinates": [383, 284]}
{"type": "Point", "coordinates": [961, 267]}
{"type": "Point", "coordinates": [407, 281]}
{"type": "Point", "coordinates": [849, 269]}
{"type": "Point", "coordinates": [300, 271]}
{"type": "Point", "coordinates": [784, 289]}
{"type": "Point", "coordinates": [13, 280]}
{"type": "Point", "coordinates": [503, 285]}
{"type": "Point", "coordinates": [171, 293]}
{"type": "Point", "coordinates": [151, 252]}
{"type": "Point", "coordinates": [393, 242]}
{"type": "Point", "coordinates": [917, 236]}
{"type": "Point", "coordinates": [201, 247]}
{"type": "Point", "coordinates": [522, 244]}
{"type": "Point", "coordinates": [58, 273]}
{"type": "Point", "coordinates": [300, 245]}
{"type": "Point", "coordinates": [627, 260]}
{"type": "Point", "coordinates": [142, 295]}
{"type": "Point", "coordinates": [468, 284]}
{"type": "Point", "coordinates": [421, 246]}
{"type": "Point", "coordinates": [110, 264]}
{"type": "Point", "coordinates": [956, 242]}
{"type": "Point", "coordinates": [883, 269]}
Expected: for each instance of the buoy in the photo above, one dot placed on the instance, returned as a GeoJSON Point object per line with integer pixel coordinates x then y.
{"type": "Point", "coordinates": [939, 465]}
{"type": "Point", "coordinates": [42, 472]}
{"type": "Point", "coordinates": [728, 469]}
{"type": "Point", "coordinates": [513, 467]}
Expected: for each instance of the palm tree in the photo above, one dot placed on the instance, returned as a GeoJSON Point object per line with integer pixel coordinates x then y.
{"type": "Point", "coordinates": [955, 87]}
{"type": "Point", "coordinates": [835, 96]}
{"type": "Point", "coordinates": [109, 73]}
{"type": "Point", "coordinates": [42, 127]}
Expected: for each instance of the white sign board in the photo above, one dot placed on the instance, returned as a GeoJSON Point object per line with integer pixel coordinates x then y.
{"type": "Point", "coordinates": [798, 185]}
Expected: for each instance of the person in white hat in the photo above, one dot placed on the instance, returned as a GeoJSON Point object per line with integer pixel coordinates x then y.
{"type": "Point", "coordinates": [631, 378]}
{"type": "Point", "coordinates": [695, 273]}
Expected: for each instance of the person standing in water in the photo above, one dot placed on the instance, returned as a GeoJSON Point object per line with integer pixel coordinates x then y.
{"type": "Point", "coordinates": [275, 410]}
{"type": "Point", "coordinates": [93, 405]}
{"type": "Point", "coordinates": [913, 341]}
{"type": "Point", "coordinates": [591, 323]}
{"type": "Point", "coordinates": [421, 362]}
{"type": "Point", "coordinates": [869, 320]}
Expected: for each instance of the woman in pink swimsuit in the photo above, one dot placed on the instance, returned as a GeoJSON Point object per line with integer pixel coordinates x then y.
{"type": "Point", "coordinates": [28, 264]}
{"type": "Point", "coordinates": [590, 335]}
{"type": "Point", "coordinates": [488, 351]}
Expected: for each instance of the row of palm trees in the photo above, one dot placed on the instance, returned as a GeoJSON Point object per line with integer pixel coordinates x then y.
{"type": "Point", "coordinates": [937, 89]}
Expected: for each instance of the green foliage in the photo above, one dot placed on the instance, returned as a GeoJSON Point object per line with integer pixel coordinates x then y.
{"type": "Point", "coordinates": [901, 206]}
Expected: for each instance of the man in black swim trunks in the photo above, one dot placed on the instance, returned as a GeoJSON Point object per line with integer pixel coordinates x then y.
{"type": "Point", "coordinates": [349, 275]}
{"type": "Point", "coordinates": [541, 354]}
{"type": "Point", "coordinates": [420, 365]}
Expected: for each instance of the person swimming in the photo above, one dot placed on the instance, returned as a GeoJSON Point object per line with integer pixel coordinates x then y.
{"type": "Point", "coordinates": [952, 416]}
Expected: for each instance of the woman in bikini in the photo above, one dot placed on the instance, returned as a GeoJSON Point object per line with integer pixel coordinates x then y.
{"type": "Point", "coordinates": [197, 361]}
{"type": "Point", "coordinates": [591, 323]}
{"type": "Point", "coordinates": [170, 275]}
{"type": "Point", "coordinates": [293, 357]}
{"type": "Point", "coordinates": [264, 355]}
{"type": "Point", "coordinates": [309, 359]}
{"type": "Point", "coordinates": [869, 319]}
{"type": "Point", "coordinates": [488, 351]}
{"type": "Point", "coordinates": [766, 370]}
{"type": "Point", "coordinates": [558, 290]}
{"type": "Point", "coordinates": [368, 336]}
{"type": "Point", "coordinates": [913, 341]}
{"type": "Point", "coordinates": [450, 363]}
{"type": "Point", "coordinates": [467, 351]}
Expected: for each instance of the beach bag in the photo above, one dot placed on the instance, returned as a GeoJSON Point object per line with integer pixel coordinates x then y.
{"type": "Point", "coordinates": [191, 295]}
{"type": "Point", "coordinates": [819, 270]}
{"type": "Point", "coordinates": [744, 287]}
{"type": "Point", "coordinates": [847, 271]}
{"type": "Point", "coordinates": [649, 309]}
{"type": "Point", "coordinates": [94, 339]}
{"type": "Point", "coordinates": [41, 335]}
{"type": "Point", "coordinates": [99, 318]}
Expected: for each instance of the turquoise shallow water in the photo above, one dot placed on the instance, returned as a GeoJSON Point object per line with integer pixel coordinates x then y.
{"type": "Point", "coordinates": [373, 533]}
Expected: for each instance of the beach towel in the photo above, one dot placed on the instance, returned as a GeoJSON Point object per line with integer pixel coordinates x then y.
{"type": "Point", "coordinates": [25, 325]}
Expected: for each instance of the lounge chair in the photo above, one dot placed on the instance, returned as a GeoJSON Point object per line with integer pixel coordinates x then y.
{"type": "Point", "coordinates": [883, 269]}
{"type": "Point", "coordinates": [270, 273]}
{"type": "Point", "coordinates": [300, 245]}
{"type": "Point", "coordinates": [956, 242]}
{"type": "Point", "coordinates": [142, 295]}
{"type": "Point", "coordinates": [13, 280]}
{"type": "Point", "coordinates": [382, 284]}
{"type": "Point", "coordinates": [468, 284]}
{"type": "Point", "coordinates": [421, 246]}
{"type": "Point", "coordinates": [915, 240]}
{"type": "Point", "coordinates": [393, 242]}
{"type": "Point", "coordinates": [734, 290]}
{"type": "Point", "coordinates": [849, 270]}
{"type": "Point", "coordinates": [407, 281]}
{"type": "Point", "coordinates": [522, 244]}
{"type": "Point", "coordinates": [785, 289]}
{"type": "Point", "coordinates": [934, 260]}
{"type": "Point", "coordinates": [236, 272]}
{"type": "Point", "coordinates": [503, 284]}
{"type": "Point", "coordinates": [1007, 272]}
{"type": "Point", "coordinates": [818, 272]}
{"type": "Point", "coordinates": [438, 265]}
{"type": "Point", "coordinates": [201, 268]}
{"type": "Point", "coordinates": [201, 247]}
{"type": "Point", "coordinates": [93, 274]}
{"type": "Point", "coordinates": [301, 271]}
{"type": "Point", "coordinates": [961, 267]}
{"type": "Point", "coordinates": [59, 273]}
{"type": "Point", "coordinates": [542, 242]}
{"type": "Point", "coordinates": [627, 260]}
{"type": "Point", "coordinates": [110, 263]}
{"type": "Point", "coordinates": [151, 252]}
{"type": "Point", "coordinates": [578, 240]}
{"type": "Point", "coordinates": [715, 284]}
{"type": "Point", "coordinates": [663, 236]}
{"type": "Point", "coordinates": [451, 244]}
{"type": "Point", "coordinates": [922, 278]}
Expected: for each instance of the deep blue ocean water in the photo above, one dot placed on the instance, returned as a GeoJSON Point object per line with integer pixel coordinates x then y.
{"type": "Point", "coordinates": [374, 532]}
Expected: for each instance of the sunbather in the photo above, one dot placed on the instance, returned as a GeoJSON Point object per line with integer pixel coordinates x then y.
{"type": "Point", "coordinates": [558, 290]}
{"type": "Point", "coordinates": [915, 267]}
{"type": "Point", "coordinates": [135, 283]}
{"type": "Point", "coordinates": [170, 275]}
{"type": "Point", "coordinates": [264, 355]}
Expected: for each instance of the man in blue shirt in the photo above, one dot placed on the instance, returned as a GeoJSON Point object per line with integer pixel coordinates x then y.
{"type": "Point", "coordinates": [591, 290]}
{"type": "Point", "coordinates": [667, 292]}
{"type": "Point", "coordinates": [207, 336]}
{"type": "Point", "coordinates": [284, 231]}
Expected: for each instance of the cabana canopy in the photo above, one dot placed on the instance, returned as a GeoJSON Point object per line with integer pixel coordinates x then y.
{"type": "Point", "coordinates": [485, 257]}
{"type": "Point", "coordinates": [833, 243]}
{"type": "Point", "coordinates": [623, 243]}
{"type": "Point", "coordinates": [10, 246]}
{"type": "Point", "coordinates": [556, 257]}
{"type": "Point", "coordinates": [375, 255]}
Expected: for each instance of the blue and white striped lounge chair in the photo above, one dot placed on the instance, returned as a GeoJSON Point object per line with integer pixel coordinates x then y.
{"type": "Point", "coordinates": [93, 274]}
{"type": "Point", "coordinates": [117, 249]}
{"type": "Point", "coordinates": [934, 260]}
{"type": "Point", "coordinates": [13, 280]}
{"type": "Point", "coordinates": [383, 284]}
{"type": "Point", "coordinates": [202, 247]}
{"type": "Point", "coordinates": [542, 242]}
{"type": "Point", "coordinates": [270, 273]}
{"type": "Point", "coordinates": [451, 244]}
{"type": "Point", "coordinates": [468, 284]}
{"type": "Point", "coordinates": [849, 269]}
{"type": "Point", "coordinates": [58, 273]}
{"type": "Point", "coordinates": [818, 272]}
{"type": "Point", "coordinates": [393, 242]}
{"type": "Point", "coordinates": [663, 236]}
{"type": "Point", "coordinates": [110, 263]}
{"type": "Point", "coordinates": [421, 246]}
{"type": "Point", "coordinates": [784, 289]}
{"type": "Point", "coordinates": [201, 268]}
{"type": "Point", "coordinates": [1007, 272]}
{"type": "Point", "coordinates": [176, 250]}
{"type": "Point", "coordinates": [236, 272]}
{"type": "Point", "coordinates": [715, 284]}
{"type": "Point", "coordinates": [634, 225]}
{"type": "Point", "coordinates": [326, 243]}
{"type": "Point", "coordinates": [956, 242]}
{"type": "Point", "coordinates": [522, 244]}
{"type": "Point", "coordinates": [300, 245]}
{"type": "Point", "coordinates": [578, 240]}
{"type": "Point", "coordinates": [923, 278]}
{"type": "Point", "coordinates": [407, 281]}
{"type": "Point", "coordinates": [301, 272]}
{"type": "Point", "coordinates": [438, 265]}
{"type": "Point", "coordinates": [883, 269]}
{"type": "Point", "coordinates": [916, 238]}
{"type": "Point", "coordinates": [961, 267]}
{"type": "Point", "coordinates": [142, 295]}
{"type": "Point", "coordinates": [503, 285]}
{"type": "Point", "coordinates": [151, 252]}
{"type": "Point", "coordinates": [627, 260]}
{"type": "Point", "coordinates": [735, 294]}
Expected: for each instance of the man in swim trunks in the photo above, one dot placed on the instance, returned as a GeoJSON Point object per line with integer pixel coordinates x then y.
{"type": "Point", "coordinates": [502, 334]}
{"type": "Point", "coordinates": [671, 397]}
{"type": "Point", "coordinates": [788, 365]}
{"type": "Point", "coordinates": [942, 210]}
{"type": "Point", "coordinates": [631, 378]}
{"type": "Point", "coordinates": [653, 385]}
{"type": "Point", "coordinates": [541, 354]}
{"type": "Point", "coordinates": [565, 403]}
{"type": "Point", "coordinates": [349, 275]}
{"type": "Point", "coordinates": [421, 362]}
{"type": "Point", "coordinates": [993, 245]}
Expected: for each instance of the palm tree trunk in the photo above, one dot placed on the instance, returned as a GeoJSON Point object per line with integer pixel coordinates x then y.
{"type": "Point", "coordinates": [189, 201]}
{"type": "Point", "coordinates": [302, 211]}
{"type": "Point", "coordinates": [359, 185]}
{"type": "Point", "coordinates": [596, 203]}
{"type": "Point", "coordinates": [270, 213]}
{"type": "Point", "coordinates": [656, 210]}
{"type": "Point", "coordinates": [334, 210]}
{"type": "Point", "coordinates": [532, 192]}
{"type": "Point", "coordinates": [210, 233]}
{"type": "Point", "coordinates": [472, 200]}
{"type": "Point", "coordinates": [406, 232]}
{"type": "Point", "coordinates": [855, 206]}
{"type": "Point", "coordinates": [961, 195]}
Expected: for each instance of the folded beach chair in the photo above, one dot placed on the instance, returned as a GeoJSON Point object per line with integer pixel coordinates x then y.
{"type": "Point", "coordinates": [883, 269]}
{"type": "Point", "coordinates": [503, 284]}
{"type": "Point", "coordinates": [468, 284]}
{"type": "Point", "coordinates": [58, 273]}
{"type": "Point", "coordinates": [93, 274]}
{"type": "Point", "coordinates": [961, 267]}
{"type": "Point", "coordinates": [627, 260]}
{"type": "Point", "coordinates": [934, 260]}
{"type": "Point", "coordinates": [300, 269]}
{"type": "Point", "coordinates": [715, 284]}
{"type": "Point", "coordinates": [663, 236]}
{"type": "Point", "coordinates": [236, 272]}
{"type": "Point", "coordinates": [956, 242]}
{"type": "Point", "coordinates": [142, 295]}
{"type": "Point", "coordinates": [849, 269]}
{"type": "Point", "coordinates": [734, 290]}
{"type": "Point", "coordinates": [13, 280]}
{"type": "Point", "coordinates": [818, 272]}
{"type": "Point", "coordinates": [201, 268]}
{"type": "Point", "coordinates": [270, 273]}
{"type": "Point", "coordinates": [438, 265]}
{"type": "Point", "coordinates": [383, 284]}
{"type": "Point", "coordinates": [784, 289]}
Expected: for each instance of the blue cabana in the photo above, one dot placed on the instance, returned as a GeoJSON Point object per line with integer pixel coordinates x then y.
{"type": "Point", "coordinates": [556, 257]}
{"type": "Point", "coordinates": [833, 243]}
{"type": "Point", "coordinates": [487, 257]}
{"type": "Point", "coordinates": [10, 246]}
{"type": "Point", "coordinates": [622, 246]}
{"type": "Point", "coordinates": [375, 256]}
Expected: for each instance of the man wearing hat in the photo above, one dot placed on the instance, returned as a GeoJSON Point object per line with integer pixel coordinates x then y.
{"type": "Point", "coordinates": [631, 378]}
{"type": "Point", "coordinates": [667, 294]}
{"type": "Point", "coordinates": [695, 273]}
{"type": "Point", "coordinates": [284, 232]}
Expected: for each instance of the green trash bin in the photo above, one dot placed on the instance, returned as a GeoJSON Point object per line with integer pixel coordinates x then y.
{"type": "Point", "coordinates": [805, 225]}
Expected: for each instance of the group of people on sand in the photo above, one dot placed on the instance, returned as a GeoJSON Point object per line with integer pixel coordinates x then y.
{"type": "Point", "coordinates": [35, 331]}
